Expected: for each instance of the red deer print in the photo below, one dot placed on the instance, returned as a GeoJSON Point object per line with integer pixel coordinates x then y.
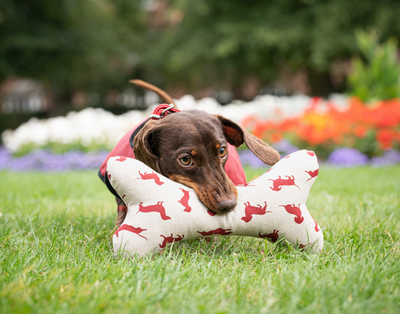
{"type": "Point", "coordinates": [312, 154]}
{"type": "Point", "coordinates": [312, 174]}
{"type": "Point", "coordinates": [151, 176]}
{"type": "Point", "coordinates": [216, 231]}
{"type": "Point", "coordinates": [158, 208]}
{"type": "Point", "coordinates": [294, 210]}
{"type": "Point", "coordinates": [287, 157]}
{"type": "Point", "coordinates": [109, 176]}
{"type": "Point", "coordinates": [170, 239]}
{"type": "Point", "coordinates": [273, 237]}
{"type": "Point", "coordinates": [210, 212]}
{"type": "Point", "coordinates": [121, 158]}
{"type": "Point", "coordinates": [254, 210]}
{"type": "Point", "coordinates": [185, 201]}
{"type": "Point", "coordinates": [316, 226]}
{"type": "Point", "coordinates": [278, 183]}
{"type": "Point", "coordinates": [123, 196]}
{"type": "Point", "coordinates": [131, 229]}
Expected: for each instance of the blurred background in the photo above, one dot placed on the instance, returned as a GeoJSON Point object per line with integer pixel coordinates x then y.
{"type": "Point", "coordinates": [63, 56]}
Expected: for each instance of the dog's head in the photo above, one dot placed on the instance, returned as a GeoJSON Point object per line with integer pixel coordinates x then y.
{"type": "Point", "coordinates": [190, 147]}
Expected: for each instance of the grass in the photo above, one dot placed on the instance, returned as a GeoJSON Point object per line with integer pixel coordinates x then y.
{"type": "Point", "coordinates": [56, 257]}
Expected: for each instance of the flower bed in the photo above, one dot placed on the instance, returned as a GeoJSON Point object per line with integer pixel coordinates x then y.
{"type": "Point", "coordinates": [43, 160]}
{"type": "Point", "coordinates": [342, 131]}
{"type": "Point", "coordinates": [88, 130]}
{"type": "Point", "coordinates": [324, 127]}
{"type": "Point", "coordinates": [93, 129]}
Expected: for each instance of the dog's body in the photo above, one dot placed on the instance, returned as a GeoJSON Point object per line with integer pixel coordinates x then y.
{"type": "Point", "coordinates": [191, 147]}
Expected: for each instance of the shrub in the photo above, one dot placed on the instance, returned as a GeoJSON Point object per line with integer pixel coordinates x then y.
{"type": "Point", "coordinates": [376, 75]}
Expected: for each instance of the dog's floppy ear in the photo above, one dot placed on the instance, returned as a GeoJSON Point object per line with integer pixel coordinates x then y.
{"type": "Point", "coordinates": [236, 136]}
{"type": "Point", "coordinates": [145, 145]}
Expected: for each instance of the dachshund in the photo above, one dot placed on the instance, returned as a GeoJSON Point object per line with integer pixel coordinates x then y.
{"type": "Point", "coordinates": [194, 148]}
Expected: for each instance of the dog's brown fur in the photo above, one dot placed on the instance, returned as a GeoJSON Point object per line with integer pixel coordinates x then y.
{"type": "Point", "coordinates": [190, 147]}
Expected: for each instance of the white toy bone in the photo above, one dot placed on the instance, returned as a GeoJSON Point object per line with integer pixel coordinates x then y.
{"type": "Point", "coordinates": [161, 211]}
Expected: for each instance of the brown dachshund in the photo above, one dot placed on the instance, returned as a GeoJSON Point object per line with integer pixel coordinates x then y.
{"type": "Point", "coordinates": [191, 147]}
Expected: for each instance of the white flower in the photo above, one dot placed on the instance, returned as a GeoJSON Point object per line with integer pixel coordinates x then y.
{"type": "Point", "coordinates": [102, 127]}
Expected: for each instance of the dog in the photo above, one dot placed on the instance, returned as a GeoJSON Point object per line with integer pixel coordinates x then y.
{"type": "Point", "coordinates": [191, 147]}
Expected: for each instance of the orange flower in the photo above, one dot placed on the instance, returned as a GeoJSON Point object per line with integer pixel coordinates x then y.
{"type": "Point", "coordinates": [360, 131]}
{"type": "Point", "coordinates": [386, 137]}
{"type": "Point", "coordinates": [336, 126]}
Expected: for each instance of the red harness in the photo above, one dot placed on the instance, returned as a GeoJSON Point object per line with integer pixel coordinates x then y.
{"type": "Point", "coordinates": [233, 166]}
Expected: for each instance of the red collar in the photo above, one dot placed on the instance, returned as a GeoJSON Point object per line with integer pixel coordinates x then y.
{"type": "Point", "coordinates": [163, 110]}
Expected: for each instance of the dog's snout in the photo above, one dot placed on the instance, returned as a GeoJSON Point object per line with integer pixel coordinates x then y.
{"type": "Point", "coordinates": [227, 206]}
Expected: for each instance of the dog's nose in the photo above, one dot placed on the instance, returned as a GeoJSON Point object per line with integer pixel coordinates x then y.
{"type": "Point", "coordinates": [226, 206]}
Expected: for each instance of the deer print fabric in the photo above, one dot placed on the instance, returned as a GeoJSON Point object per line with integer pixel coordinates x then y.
{"type": "Point", "coordinates": [161, 212]}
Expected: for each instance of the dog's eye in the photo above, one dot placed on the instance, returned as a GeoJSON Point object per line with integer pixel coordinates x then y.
{"type": "Point", "coordinates": [186, 160]}
{"type": "Point", "coordinates": [222, 152]}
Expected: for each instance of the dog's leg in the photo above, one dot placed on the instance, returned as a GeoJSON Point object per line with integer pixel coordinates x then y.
{"type": "Point", "coordinates": [122, 211]}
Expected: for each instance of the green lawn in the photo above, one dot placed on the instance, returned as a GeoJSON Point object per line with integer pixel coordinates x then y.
{"type": "Point", "coordinates": [56, 256]}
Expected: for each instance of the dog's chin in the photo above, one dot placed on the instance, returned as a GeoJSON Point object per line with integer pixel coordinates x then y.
{"type": "Point", "coordinates": [218, 212]}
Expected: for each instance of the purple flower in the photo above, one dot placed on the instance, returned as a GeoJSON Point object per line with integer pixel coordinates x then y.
{"type": "Point", "coordinates": [43, 160]}
{"type": "Point", "coordinates": [347, 157]}
{"type": "Point", "coordinates": [285, 148]}
{"type": "Point", "coordinates": [389, 157]}
{"type": "Point", "coordinates": [4, 158]}
{"type": "Point", "coordinates": [248, 158]}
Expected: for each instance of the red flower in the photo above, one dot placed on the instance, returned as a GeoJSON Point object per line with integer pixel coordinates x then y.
{"type": "Point", "coordinates": [360, 131]}
{"type": "Point", "coordinates": [386, 138]}
{"type": "Point", "coordinates": [335, 126]}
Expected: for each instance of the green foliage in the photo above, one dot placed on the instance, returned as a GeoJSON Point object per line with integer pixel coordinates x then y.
{"type": "Point", "coordinates": [379, 77]}
{"type": "Point", "coordinates": [96, 45]}
{"type": "Point", "coordinates": [57, 148]}
{"type": "Point", "coordinates": [69, 44]}
{"type": "Point", "coordinates": [56, 255]}
{"type": "Point", "coordinates": [227, 41]}
{"type": "Point", "coordinates": [368, 145]}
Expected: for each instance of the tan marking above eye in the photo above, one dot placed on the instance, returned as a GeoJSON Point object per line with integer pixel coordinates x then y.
{"type": "Point", "coordinates": [193, 152]}
{"type": "Point", "coordinates": [217, 145]}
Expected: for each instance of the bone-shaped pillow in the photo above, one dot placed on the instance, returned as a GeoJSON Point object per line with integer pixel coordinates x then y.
{"type": "Point", "coordinates": [161, 211]}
